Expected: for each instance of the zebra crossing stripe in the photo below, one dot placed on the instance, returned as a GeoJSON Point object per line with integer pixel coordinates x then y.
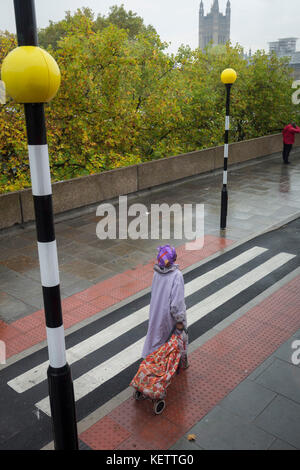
{"type": "Point", "coordinates": [228, 292]}
{"type": "Point", "coordinates": [38, 374]}
{"type": "Point", "coordinates": [222, 270]}
{"type": "Point", "coordinates": [98, 375]}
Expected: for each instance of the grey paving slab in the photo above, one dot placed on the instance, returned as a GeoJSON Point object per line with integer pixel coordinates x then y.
{"type": "Point", "coordinates": [286, 351]}
{"type": "Point", "coordinates": [84, 269]}
{"type": "Point", "coordinates": [221, 429]}
{"type": "Point", "coordinates": [18, 286]}
{"type": "Point", "coordinates": [297, 334]}
{"type": "Point", "coordinates": [33, 298]}
{"type": "Point", "coordinates": [185, 444]}
{"type": "Point", "coordinates": [250, 183]}
{"type": "Point", "coordinates": [62, 226]}
{"type": "Point", "coordinates": [15, 242]}
{"type": "Point", "coordinates": [5, 252]}
{"type": "Point", "coordinates": [70, 279]}
{"type": "Point", "coordinates": [83, 446]}
{"type": "Point", "coordinates": [118, 265]}
{"type": "Point", "coordinates": [278, 444]}
{"type": "Point", "coordinates": [34, 274]}
{"type": "Point", "coordinates": [260, 369]}
{"type": "Point", "coordinates": [282, 419]}
{"type": "Point", "coordinates": [3, 269]}
{"type": "Point", "coordinates": [94, 255]}
{"type": "Point", "coordinates": [121, 249]}
{"type": "Point", "coordinates": [66, 257]}
{"type": "Point", "coordinates": [12, 309]}
{"type": "Point", "coordinates": [282, 378]}
{"type": "Point", "coordinates": [248, 400]}
{"type": "Point", "coordinates": [74, 288]}
{"type": "Point", "coordinates": [77, 222]}
{"type": "Point", "coordinates": [104, 244]}
{"type": "Point", "coordinates": [68, 245]}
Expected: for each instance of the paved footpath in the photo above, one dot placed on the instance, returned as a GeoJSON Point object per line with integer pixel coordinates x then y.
{"type": "Point", "coordinates": [241, 390]}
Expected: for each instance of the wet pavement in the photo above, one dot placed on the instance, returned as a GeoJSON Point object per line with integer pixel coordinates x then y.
{"type": "Point", "coordinates": [261, 193]}
{"type": "Point", "coordinates": [241, 390]}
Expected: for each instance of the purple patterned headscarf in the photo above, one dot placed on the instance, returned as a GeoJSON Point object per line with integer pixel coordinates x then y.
{"type": "Point", "coordinates": [166, 254]}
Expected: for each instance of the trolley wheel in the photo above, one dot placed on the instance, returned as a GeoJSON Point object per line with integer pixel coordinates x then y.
{"type": "Point", "coordinates": [159, 406]}
{"type": "Point", "coordinates": [138, 395]}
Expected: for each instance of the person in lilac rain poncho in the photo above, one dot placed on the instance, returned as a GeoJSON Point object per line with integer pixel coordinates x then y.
{"type": "Point", "coordinates": [167, 306]}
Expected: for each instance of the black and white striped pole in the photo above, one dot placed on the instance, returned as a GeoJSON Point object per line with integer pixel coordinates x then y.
{"type": "Point", "coordinates": [32, 77]}
{"type": "Point", "coordinates": [228, 77]}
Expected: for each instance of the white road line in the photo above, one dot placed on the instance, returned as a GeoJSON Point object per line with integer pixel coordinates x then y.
{"type": "Point", "coordinates": [113, 366]}
{"type": "Point", "coordinates": [222, 270]}
{"type": "Point", "coordinates": [236, 287]}
{"type": "Point", "coordinates": [36, 375]}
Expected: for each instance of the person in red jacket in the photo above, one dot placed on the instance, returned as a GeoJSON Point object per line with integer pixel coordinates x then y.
{"type": "Point", "coordinates": [288, 140]}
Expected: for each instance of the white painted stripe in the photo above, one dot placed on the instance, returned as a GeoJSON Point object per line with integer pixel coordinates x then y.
{"type": "Point", "coordinates": [113, 366]}
{"type": "Point", "coordinates": [48, 264]}
{"type": "Point", "coordinates": [236, 287]}
{"type": "Point", "coordinates": [36, 375]}
{"type": "Point", "coordinates": [227, 123]}
{"type": "Point", "coordinates": [226, 151]}
{"type": "Point", "coordinates": [100, 374]}
{"type": "Point", "coordinates": [56, 346]}
{"type": "Point", "coordinates": [222, 270]}
{"type": "Point", "coordinates": [225, 177]}
{"type": "Point", "coordinates": [39, 169]}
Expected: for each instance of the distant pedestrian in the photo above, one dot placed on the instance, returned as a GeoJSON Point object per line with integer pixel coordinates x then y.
{"type": "Point", "coordinates": [167, 306]}
{"type": "Point", "coordinates": [288, 140]}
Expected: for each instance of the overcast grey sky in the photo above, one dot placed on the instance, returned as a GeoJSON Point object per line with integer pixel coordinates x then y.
{"type": "Point", "coordinates": [254, 22]}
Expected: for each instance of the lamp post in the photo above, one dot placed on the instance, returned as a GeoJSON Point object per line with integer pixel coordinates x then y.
{"type": "Point", "coordinates": [228, 77]}
{"type": "Point", "coordinates": [32, 77]}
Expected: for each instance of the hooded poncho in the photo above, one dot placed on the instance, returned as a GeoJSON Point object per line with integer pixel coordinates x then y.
{"type": "Point", "coordinates": [167, 306]}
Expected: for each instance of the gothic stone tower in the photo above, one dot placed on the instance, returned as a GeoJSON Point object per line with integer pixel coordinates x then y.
{"type": "Point", "coordinates": [214, 27]}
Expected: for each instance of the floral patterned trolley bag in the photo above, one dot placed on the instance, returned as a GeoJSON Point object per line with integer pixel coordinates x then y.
{"type": "Point", "coordinates": [156, 371]}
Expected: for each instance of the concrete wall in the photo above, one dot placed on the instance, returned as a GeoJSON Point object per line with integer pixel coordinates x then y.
{"type": "Point", "coordinates": [17, 207]}
{"type": "Point", "coordinates": [79, 192]}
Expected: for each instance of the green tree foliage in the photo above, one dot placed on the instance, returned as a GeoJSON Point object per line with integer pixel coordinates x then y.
{"type": "Point", "coordinates": [124, 100]}
{"type": "Point", "coordinates": [56, 31]}
{"type": "Point", "coordinates": [117, 16]}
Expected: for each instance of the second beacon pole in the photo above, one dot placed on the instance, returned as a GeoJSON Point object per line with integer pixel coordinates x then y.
{"type": "Point", "coordinates": [60, 383]}
{"type": "Point", "coordinates": [228, 77]}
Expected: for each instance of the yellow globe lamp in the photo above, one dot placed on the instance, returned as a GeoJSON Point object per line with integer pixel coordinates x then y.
{"type": "Point", "coordinates": [228, 76]}
{"type": "Point", "coordinates": [31, 75]}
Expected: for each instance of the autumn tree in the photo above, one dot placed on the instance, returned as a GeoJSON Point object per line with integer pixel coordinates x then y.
{"type": "Point", "coordinates": [129, 21]}
{"type": "Point", "coordinates": [124, 99]}
{"type": "Point", "coordinates": [117, 16]}
{"type": "Point", "coordinates": [14, 166]}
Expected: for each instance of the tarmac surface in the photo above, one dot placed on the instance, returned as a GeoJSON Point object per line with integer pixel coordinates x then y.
{"type": "Point", "coordinates": [241, 390]}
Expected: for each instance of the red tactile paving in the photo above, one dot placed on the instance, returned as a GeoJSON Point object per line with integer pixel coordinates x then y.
{"type": "Point", "coordinates": [71, 303]}
{"type": "Point", "coordinates": [8, 332]}
{"type": "Point", "coordinates": [24, 341]}
{"type": "Point", "coordinates": [129, 289]}
{"type": "Point", "coordinates": [138, 418]}
{"type": "Point", "coordinates": [216, 368]}
{"type": "Point", "coordinates": [31, 321]}
{"type": "Point", "coordinates": [103, 302]}
{"type": "Point", "coordinates": [31, 329]}
{"type": "Point", "coordinates": [79, 314]}
{"type": "Point", "coordinates": [135, 443]}
{"type": "Point", "coordinates": [104, 434]}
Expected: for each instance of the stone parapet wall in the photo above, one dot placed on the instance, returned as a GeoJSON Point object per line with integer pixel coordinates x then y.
{"type": "Point", "coordinates": [17, 207]}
